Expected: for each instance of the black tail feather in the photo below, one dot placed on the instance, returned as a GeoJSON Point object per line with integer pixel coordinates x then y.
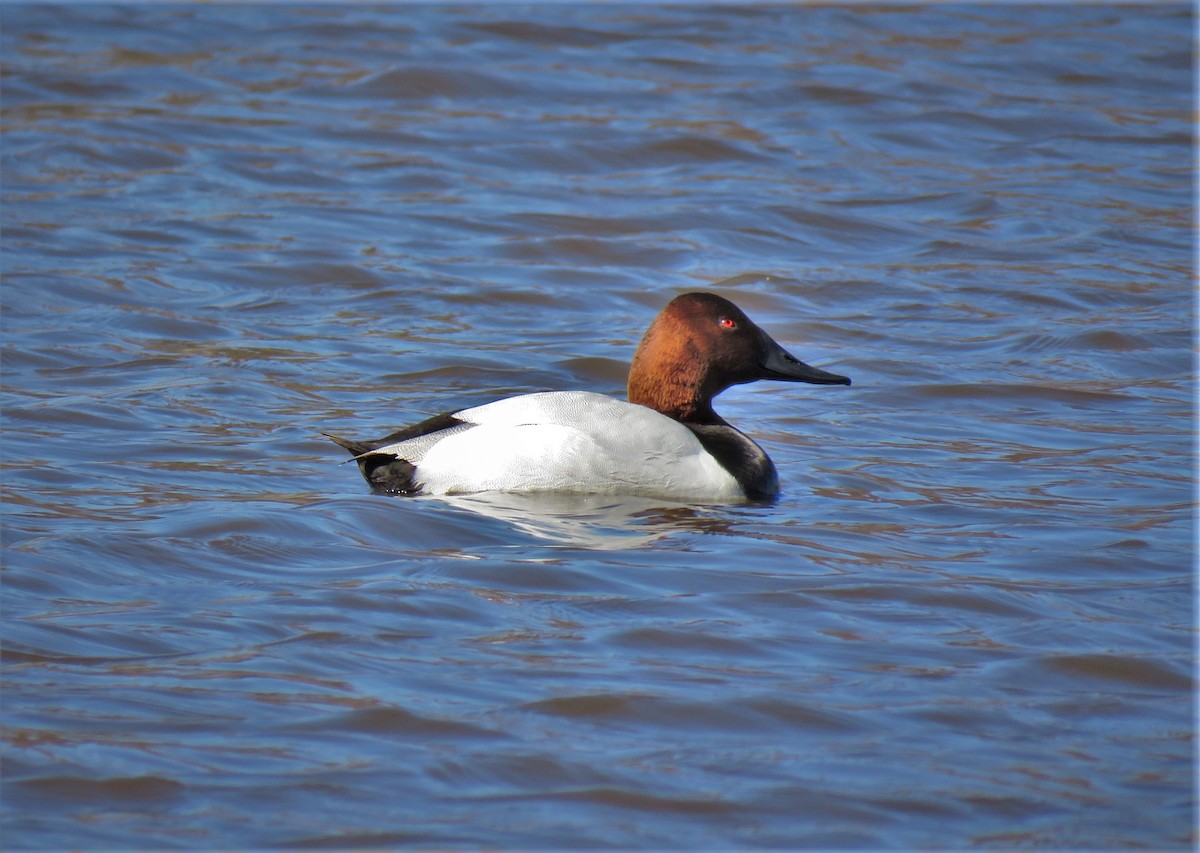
{"type": "Point", "coordinates": [386, 472]}
{"type": "Point", "coordinates": [355, 448]}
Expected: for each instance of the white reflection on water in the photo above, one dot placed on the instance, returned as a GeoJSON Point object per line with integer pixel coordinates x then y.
{"type": "Point", "coordinates": [599, 522]}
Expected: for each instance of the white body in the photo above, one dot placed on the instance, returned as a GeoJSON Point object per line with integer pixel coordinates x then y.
{"type": "Point", "coordinates": [567, 441]}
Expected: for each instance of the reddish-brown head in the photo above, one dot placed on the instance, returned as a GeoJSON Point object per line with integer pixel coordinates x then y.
{"type": "Point", "coordinates": [699, 345]}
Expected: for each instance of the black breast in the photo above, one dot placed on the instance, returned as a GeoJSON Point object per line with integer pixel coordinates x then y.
{"type": "Point", "coordinates": [741, 457]}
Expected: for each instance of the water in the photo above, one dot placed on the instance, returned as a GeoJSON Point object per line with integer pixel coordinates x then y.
{"type": "Point", "coordinates": [966, 622]}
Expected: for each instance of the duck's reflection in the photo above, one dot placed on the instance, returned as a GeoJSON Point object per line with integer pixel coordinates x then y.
{"type": "Point", "coordinates": [602, 522]}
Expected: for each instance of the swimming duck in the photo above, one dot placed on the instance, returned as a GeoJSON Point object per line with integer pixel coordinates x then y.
{"type": "Point", "coordinates": [666, 441]}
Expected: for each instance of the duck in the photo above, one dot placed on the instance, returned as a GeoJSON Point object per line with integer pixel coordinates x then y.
{"type": "Point", "coordinates": [665, 440]}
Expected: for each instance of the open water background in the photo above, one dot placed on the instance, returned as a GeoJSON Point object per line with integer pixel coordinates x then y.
{"type": "Point", "coordinates": [968, 621]}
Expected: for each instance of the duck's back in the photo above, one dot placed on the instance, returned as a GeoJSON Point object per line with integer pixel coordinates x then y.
{"type": "Point", "coordinates": [566, 441]}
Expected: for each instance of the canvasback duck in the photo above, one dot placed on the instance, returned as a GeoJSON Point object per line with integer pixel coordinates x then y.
{"type": "Point", "coordinates": [665, 442]}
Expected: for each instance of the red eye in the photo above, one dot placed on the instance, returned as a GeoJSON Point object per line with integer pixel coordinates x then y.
{"type": "Point", "coordinates": [728, 323]}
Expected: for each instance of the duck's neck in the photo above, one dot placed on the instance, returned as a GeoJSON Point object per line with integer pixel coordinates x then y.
{"type": "Point", "coordinates": [677, 393]}
{"type": "Point", "coordinates": [671, 404]}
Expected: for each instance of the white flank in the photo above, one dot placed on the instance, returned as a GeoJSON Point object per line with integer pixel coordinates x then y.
{"type": "Point", "coordinates": [568, 441]}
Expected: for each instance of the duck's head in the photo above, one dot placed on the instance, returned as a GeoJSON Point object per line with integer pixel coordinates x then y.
{"type": "Point", "coordinates": [699, 345]}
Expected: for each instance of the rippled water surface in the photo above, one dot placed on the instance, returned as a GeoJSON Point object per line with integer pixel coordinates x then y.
{"type": "Point", "coordinates": [966, 622]}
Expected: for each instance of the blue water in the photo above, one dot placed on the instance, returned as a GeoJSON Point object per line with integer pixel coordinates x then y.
{"type": "Point", "coordinates": [967, 622]}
